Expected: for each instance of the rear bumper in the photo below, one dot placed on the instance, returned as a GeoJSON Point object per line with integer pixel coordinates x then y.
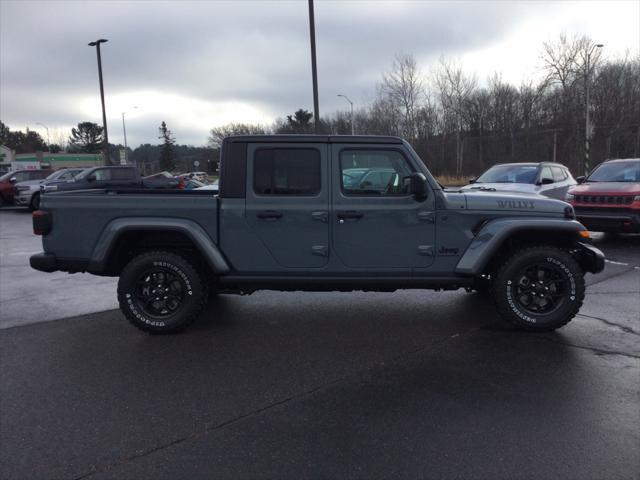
{"type": "Point", "coordinates": [609, 220]}
{"type": "Point", "coordinates": [48, 262]}
{"type": "Point", "coordinates": [590, 257]}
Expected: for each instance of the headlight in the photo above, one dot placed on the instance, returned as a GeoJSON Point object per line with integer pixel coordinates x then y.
{"type": "Point", "coordinates": [569, 197]}
{"type": "Point", "coordinates": [636, 198]}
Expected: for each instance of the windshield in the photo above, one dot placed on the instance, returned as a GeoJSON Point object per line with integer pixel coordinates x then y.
{"type": "Point", "coordinates": [616, 172]}
{"type": "Point", "coordinates": [509, 174]}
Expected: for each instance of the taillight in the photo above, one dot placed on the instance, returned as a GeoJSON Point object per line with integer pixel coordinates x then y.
{"type": "Point", "coordinates": [41, 222]}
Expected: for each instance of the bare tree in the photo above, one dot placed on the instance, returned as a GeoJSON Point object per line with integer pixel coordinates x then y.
{"type": "Point", "coordinates": [402, 86]}
{"type": "Point", "coordinates": [455, 89]}
{"type": "Point", "coordinates": [218, 134]}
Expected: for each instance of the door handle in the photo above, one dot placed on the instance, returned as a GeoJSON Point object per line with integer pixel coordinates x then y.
{"type": "Point", "coordinates": [320, 216]}
{"type": "Point", "coordinates": [350, 215]}
{"type": "Point", "coordinates": [269, 214]}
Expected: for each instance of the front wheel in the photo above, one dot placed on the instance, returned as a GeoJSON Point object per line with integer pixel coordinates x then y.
{"type": "Point", "coordinates": [35, 202]}
{"type": "Point", "coordinates": [161, 292]}
{"type": "Point", "coordinates": [539, 288]}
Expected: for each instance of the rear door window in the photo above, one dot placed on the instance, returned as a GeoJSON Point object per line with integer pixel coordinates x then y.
{"type": "Point", "coordinates": [123, 174]}
{"type": "Point", "coordinates": [286, 171]}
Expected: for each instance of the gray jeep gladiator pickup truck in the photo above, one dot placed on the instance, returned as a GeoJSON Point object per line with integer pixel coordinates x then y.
{"type": "Point", "coordinates": [319, 213]}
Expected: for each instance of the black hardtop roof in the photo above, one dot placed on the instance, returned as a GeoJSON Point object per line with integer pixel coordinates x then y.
{"type": "Point", "coordinates": [314, 139]}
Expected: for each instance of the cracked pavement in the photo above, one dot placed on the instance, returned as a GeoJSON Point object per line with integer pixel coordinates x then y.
{"type": "Point", "coordinates": [320, 385]}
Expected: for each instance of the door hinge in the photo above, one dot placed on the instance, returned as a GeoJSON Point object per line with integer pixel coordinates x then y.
{"type": "Point", "coordinates": [320, 250]}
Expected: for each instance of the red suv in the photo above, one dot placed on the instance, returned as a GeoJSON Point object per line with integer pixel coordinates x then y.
{"type": "Point", "coordinates": [7, 181]}
{"type": "Point", "coordinates": [608, 200]}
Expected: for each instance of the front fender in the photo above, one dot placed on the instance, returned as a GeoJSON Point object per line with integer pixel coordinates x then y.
{"type": "Point", "coordinates": [493, 234]}
{"type": "Point", "coordinates": [191, 229]}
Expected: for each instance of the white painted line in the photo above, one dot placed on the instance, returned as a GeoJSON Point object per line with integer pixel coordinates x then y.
{"type": "Point", "coordinates": [617, 263]}
{"type": "Point", "coordinates": [622, 264]}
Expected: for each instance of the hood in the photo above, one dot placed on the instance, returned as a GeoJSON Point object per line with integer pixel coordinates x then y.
{"type": "Point", "coordinates": [29, 183]}
{"type": "Point", "coordinates": [515, 202]}
{"type": "Point", "coordinates": [606, 188]}
{"type": "Point", "coordinates": [501, 187]}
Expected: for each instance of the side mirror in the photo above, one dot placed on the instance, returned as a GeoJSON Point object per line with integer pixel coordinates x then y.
{"type": "Point", "coordinates": [91, 178]}
{"type": "Point", "coordinates": [472, 180]}
{"type": "Point", "coordinates": [418, 185]}
{"type": "Point", "coordinates": [13, 180]}
{"type": "Point", "coordinates": [581, 179]}
{"type": "Point", "coordinates": [545, 181]}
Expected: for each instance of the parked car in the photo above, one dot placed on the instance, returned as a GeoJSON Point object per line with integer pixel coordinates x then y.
{"type": "Point", "coordinates": [544, 178]}
{"type": "Point", "coordinates": [28, 192]}
{"type": "Point", "coordinates": [212, 187]}
{"type": "Point", "coordinates": [112, 177]}
{"type": "Point", "coordinates": [8, 181]}
{"type": "Point", "coordinates": [284, 221]}
{"type": "Point", "coordinates": [608, 200]}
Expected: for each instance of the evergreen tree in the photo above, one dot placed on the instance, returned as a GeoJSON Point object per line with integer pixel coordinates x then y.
{"type": "Point", "coordinates": [86, 137]}
{"type": "Point", "coordinates": [167, 155]}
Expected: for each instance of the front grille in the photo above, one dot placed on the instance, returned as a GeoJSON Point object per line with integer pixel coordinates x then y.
{"type": "Point", "coordinates": [605, 199]}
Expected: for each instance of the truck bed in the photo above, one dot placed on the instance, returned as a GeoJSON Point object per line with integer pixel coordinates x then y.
{"type": "Point", "coordinates": [87, 215]}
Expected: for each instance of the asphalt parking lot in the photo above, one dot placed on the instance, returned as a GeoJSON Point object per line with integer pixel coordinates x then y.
{"type": "Point", "coordinates": [320, 385]}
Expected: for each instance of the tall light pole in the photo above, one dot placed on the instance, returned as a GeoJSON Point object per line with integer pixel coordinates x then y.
{"type": "Point", "coordinates": [47, 129]}
{"type": "Point", "coordinates": [314, 70]}
{"type": "Point", "coordinates": [350, 103]}
{"type": "Point", "coordinates": [124, 129]}
{"type": "Point", "coordinates": [587, 127]}
{"type": "Point", "coordinates": [107, 158]}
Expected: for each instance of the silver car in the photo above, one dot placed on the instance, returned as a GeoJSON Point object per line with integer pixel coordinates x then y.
{"type": "Point", "coordinates": [28, 192]}
{"type": "Point", "coordinates": [544, 178]}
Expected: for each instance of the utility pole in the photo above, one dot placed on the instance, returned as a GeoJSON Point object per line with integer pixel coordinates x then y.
{"type": "Point", "coordinates": [587, 127]}
{"type": "Point", "coordinates": [350, 103]}
{"type": "Point", "coordinates": [107, 158]}
{"type": "Point", "coordinates": [314, 71]}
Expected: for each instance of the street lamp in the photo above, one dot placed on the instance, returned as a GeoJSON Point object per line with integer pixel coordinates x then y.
{"type": "Point", "coordinates": [47, 129]}
{"type": "Point", "coordinates": [587, 128]}
{"type": "Point", "coordinates": [314, 69]}
{"type": "Point", "coordinates": [96, 44]}
{"type": "Point", "coordinates": [124, 129]}
{"type": "Point", "coordinates": [350, 103]}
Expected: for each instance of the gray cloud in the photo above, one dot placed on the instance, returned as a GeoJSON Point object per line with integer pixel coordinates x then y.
{"type": "Point", "coordinates": [253, 53]}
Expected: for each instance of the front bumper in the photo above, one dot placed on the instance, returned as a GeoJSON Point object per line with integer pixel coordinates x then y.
{"type": "Point", "coordinates": [590, 257]}
{"type": "Point", "coordinates": [609, 220]}
{"type": "Point", "coordinates": [23, 199]}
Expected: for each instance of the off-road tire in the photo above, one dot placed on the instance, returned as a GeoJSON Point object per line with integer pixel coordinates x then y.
{"type": "Point", "coordinates": [186, 279]}
{"type": "Point", "coordinates": [34, 204]}
{"type": "Point", "coordinates": [507, 285]}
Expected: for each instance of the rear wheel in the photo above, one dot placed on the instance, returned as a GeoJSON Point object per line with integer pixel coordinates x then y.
{"type": "Point", "coordinates": [161, 292]}
{"type": "Point", "coordinates": [539, 288]}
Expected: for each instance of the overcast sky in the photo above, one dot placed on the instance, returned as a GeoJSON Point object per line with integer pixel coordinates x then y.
{"type": "Point", "coordinates": [202, 64]}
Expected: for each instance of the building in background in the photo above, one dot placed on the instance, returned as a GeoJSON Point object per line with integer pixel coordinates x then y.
{"type": "Point", "coordinates": [6, 159]}
{"type": "Point", "coordinates": [55, 161]}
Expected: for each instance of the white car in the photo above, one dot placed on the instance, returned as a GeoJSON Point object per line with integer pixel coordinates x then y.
{"type": "Point", "coordinates": [28, 192]}
{"type": "Point", "coordinates": [544, 178]}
